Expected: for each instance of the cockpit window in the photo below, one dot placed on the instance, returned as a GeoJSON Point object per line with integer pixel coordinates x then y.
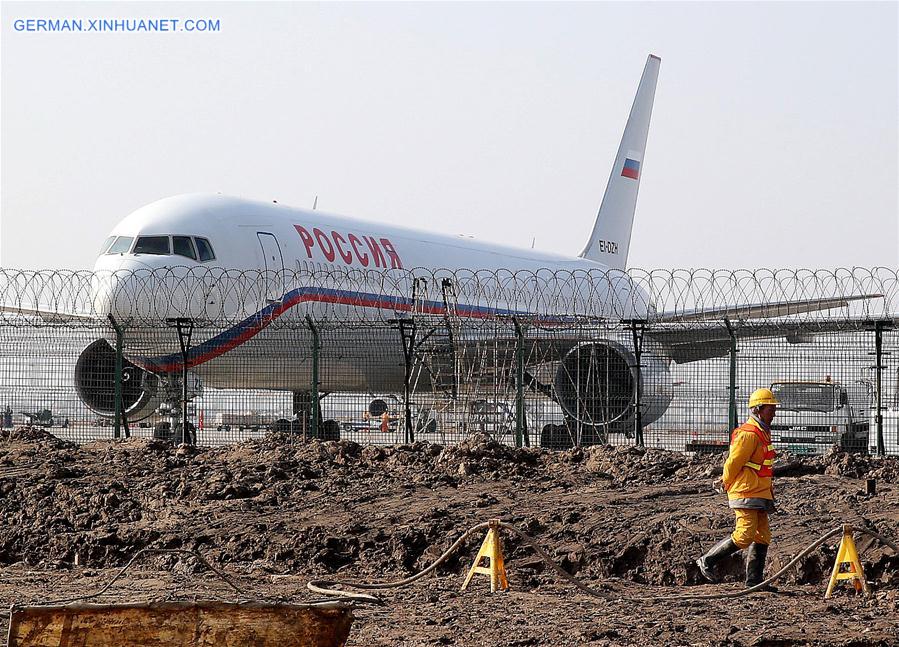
{"type": "Point", "coordinates": [121, 245]}
{"type": "Point", "coordinates": [106, 244]}
{"type": "Point", "coordinates": [152, 245]}
{"type": "Point", "coordinates": [204, 249]}
{"type": "Point", "coordinates": [182, 246]}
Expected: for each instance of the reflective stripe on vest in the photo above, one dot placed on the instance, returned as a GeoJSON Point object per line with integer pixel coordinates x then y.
{"type": "Point", "coordinates": [765, 469]}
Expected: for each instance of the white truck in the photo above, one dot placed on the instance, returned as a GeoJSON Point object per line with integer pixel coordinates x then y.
{"type": "Point", "coordinates": [813, 417]}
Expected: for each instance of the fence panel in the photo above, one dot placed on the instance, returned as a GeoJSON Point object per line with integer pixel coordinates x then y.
{"type": "Point", "coordinates": [556, 359]}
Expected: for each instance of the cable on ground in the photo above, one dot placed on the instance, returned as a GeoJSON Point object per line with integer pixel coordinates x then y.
{"type": "Point", "coordinates": [245, 596]}
{"type": "Point", "coordinates": [324, 587]}
{"type": "Point", "coordinates": [151, 551]}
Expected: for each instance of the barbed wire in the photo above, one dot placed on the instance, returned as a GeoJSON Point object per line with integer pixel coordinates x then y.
{"type": "Point", "coordinates": [218, 296]}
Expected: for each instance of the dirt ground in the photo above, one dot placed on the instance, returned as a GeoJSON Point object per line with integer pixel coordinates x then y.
{"type": "Point", "coordinates": [272, 515]}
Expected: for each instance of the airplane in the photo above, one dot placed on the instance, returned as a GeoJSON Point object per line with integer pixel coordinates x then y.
{"type": "Point", "coordinates": [264, 267]}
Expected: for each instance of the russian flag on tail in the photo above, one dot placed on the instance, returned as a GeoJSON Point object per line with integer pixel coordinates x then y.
{"type": "Point", "coordinates": [631, 169]}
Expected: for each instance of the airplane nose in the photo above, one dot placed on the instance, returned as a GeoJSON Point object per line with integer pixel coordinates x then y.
{"type": "Point", "coordinates": [143, 293]}
{"type": "Point", "coordinates": [118, 292]}
{"type": "Point", "coordinates": [105, 286]}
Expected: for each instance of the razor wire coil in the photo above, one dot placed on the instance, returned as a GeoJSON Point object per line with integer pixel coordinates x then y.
{"type": "Point", "coordinates": [332, 294]}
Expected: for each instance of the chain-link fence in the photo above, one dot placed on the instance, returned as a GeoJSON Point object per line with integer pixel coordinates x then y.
{"type": "Point", "coordinates": [663, 359]}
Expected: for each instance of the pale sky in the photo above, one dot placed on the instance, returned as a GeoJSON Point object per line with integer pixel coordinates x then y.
{"type": "Point", "coordinates": [773, 140]}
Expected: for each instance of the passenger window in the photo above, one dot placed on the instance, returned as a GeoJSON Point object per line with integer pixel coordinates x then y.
{"type": "Point", "coordinates": [182, 246]}
{"type": "Point", "coordinates": [204, 250]}
{"type": "Point", "coordinates": [121, 245]}
{"type": "Point", "coordinates": [152, 245]}
{"type": "Point", "coordinates": [106, 244]}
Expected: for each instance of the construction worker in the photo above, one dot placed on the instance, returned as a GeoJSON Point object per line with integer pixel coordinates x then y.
{"type": "Point", "coordinates": [747, 481]}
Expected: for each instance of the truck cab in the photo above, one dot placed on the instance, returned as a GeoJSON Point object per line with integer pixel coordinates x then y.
{"type": "Point", "coordinates": [813, 417]}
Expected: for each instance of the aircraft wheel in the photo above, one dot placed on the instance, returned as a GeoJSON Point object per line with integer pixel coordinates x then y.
{"type": "Point", "coordinates": [330, 430]}
{"type": "Point", "coordinates": [190, 438]}
{"type": "Point", "coordinates": [281, 426]}
{"type": "Point", "coordinates": [162, 431]}
{"type": "Point", "coordinates": [594, 436]}
{"type": "Point", "coordinates": [555, 437]}
{"type": "Point", "coordinates": [425, 423]}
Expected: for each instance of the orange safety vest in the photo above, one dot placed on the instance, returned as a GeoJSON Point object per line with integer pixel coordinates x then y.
{"type": "Point", "coordinates": [765, 469]}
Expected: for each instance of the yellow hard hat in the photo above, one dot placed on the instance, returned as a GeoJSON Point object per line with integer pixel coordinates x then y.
{"type": "Point", "coordinates": [762, 396]}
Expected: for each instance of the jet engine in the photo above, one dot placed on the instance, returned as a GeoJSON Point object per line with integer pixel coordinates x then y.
{"type": "Point", "coordinates": [95, 383]}
{"type": "Point", "coordinates": [596, 384]}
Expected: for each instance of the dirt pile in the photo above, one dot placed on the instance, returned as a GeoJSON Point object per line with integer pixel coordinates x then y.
{"type": "Point", "coordinates": [35, 435]}
{"type": "Point", "coordinates": [620, 517]}
{"type": "Point", "coordinates": [298, 502]}
{"type": "Point", "coordinates": [639, 466]}
{"type": "Point", "coordinates": [861, 467]}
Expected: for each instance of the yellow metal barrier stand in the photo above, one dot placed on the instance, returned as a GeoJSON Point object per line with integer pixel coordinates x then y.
{"type": "Point", "coordinates": [847, 554]}
{"type": "Point", "coordinates": [492, 550]}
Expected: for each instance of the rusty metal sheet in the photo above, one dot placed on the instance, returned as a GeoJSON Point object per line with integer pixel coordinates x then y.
{"type": "Point", "coordinates": [186, 624]}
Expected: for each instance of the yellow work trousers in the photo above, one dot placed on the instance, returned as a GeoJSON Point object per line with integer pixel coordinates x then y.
{"type": "Point", "coordinates": [751, 526]}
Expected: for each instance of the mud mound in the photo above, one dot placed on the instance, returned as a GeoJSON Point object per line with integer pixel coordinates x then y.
{"type": "Point", "coordinates": [320, 507]}
{"type": "Point", "coordinates": [623, 518]}
{"type": "Point", "coordinates": [36, 435]}
{"type": "Point", "coordinates": [861, 467]}
{"type": "Point", "coordinates": [637, 465]}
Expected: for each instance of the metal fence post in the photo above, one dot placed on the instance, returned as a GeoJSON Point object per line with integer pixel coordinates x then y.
{"type": "Point", "coordinates": [521, 424]}
{"type": "Point", "coordinates": [316, 350]}
{"type": "Point", "coordinates": [119, 337]}
{"type": "Point", "coordinates": [449, 310]}
{"type": "Point", "coordinates": [732, 386]}
{"type": "Point", "coordinates": [407, 333]}
{"type": "Point", "coordinates": [185, 328]}
{"type": "Point", "coordinates": [879, 327]}
{"type": "Point", "coordinates": [637, 330]}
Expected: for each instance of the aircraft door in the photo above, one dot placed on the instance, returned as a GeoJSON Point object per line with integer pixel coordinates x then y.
{"type": "Point", "coordinates": [273, 266]}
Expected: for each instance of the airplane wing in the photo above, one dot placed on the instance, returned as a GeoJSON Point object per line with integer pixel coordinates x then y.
{"type": "Point", "coordinates": [698, 342]}
{"type": "Point", "coordinates": [48, 315]}
{"type": "Point", "coordinates": [760, 310]}
{"type": "Point", "coordinates": [705, 337]}
{"type": "Point", "coordinates": [705, 342]}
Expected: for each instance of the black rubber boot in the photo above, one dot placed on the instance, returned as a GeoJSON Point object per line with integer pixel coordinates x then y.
{"type": "Point", "coordinates": [755, 566]}
{"type": "Point", "coordinates": [706, 563]}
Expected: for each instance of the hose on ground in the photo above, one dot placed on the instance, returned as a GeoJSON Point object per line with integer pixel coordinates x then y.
{"type": "Point", "coordinates": [152, 551]}
{"type": "Point", "coordinates": [747, 591]}
{"type": "Point", "coordinates": [324, 587]}
{"type": "Point", "coordinates": [762, 585]}
{"type": "Point", "coordinates": [245, 596]}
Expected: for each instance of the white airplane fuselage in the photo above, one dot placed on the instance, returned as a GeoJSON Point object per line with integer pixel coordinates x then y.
{"type": "Point", "coordinates": [311, 238]}
{"type": "Point", "coordinates": [297, 262]}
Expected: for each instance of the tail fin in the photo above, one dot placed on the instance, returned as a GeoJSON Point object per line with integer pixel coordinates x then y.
{"type": "Point", "coordinates": [611, 236]}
